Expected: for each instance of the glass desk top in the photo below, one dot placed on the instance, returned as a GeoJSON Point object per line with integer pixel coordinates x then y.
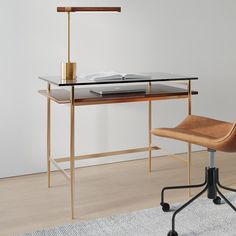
{"type": "Point", "coordinates": [154, 77]}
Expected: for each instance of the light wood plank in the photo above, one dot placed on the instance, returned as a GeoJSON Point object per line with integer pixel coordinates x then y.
{"type": "Point", "coordinates": [26, 204]}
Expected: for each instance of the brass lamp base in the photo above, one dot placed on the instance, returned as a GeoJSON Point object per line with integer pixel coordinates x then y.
{"type": "Point", "coordinates": [68, 70]}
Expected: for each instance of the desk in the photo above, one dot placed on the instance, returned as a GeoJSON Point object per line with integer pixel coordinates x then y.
{"type": "Point", "coordinates": [79, 94]}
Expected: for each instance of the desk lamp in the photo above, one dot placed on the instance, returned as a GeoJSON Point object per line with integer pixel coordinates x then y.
{"type": "Point", "coordinates": [69, 68]}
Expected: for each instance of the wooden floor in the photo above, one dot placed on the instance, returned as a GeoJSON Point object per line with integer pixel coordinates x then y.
{"type": "Point", "coordinates": [26, 204]}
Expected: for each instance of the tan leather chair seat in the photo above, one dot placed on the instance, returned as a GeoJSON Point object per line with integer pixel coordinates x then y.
{"type": "Point", "coordinates": [203, 131]}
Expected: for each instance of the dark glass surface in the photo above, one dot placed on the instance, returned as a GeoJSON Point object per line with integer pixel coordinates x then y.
{"type": "Point", "coordinates": [155, 76]}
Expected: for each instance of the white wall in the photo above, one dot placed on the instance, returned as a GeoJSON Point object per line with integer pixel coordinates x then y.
{"type": "Point", "coordinates": [195, 37]}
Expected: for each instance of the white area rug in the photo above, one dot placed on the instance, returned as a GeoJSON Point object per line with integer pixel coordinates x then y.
{"type": "Point", "coordinates": [201, 218]}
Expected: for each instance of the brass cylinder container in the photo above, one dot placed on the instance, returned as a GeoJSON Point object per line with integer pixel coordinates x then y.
{"type": "Point", "coordinates": [68, 70]}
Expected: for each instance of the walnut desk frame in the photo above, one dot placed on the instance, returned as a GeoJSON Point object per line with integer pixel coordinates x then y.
{"type": "Point", "coordinates": [79, 94]}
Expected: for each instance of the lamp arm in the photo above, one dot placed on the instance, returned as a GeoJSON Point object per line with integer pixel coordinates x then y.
{"type": "Point", "coordinates": [81, 9]}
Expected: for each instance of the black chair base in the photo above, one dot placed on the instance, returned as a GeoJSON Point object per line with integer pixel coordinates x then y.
{"type": "Point", "coordinates": [211, 186]}
{"type": "Point", "coordinates": [172, 233]}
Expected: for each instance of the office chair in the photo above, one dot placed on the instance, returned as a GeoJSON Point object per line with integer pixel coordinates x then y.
{"type": "Point", "coordinates": [216, 136]}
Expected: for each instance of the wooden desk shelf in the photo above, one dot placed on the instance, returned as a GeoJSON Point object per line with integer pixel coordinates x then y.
{"type": "Point", "coordinates": [83, 96]}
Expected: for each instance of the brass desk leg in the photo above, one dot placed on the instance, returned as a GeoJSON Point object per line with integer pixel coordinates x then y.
{"type": "Point", "coordinates": [189, 144]}
{"type": "Point", "coordinates": [49, 136]}
{"type": "Point", "coordinates": [72, 150]}
{"type": "Point", "coordinates": [189, 167]}
{"type": "Point", "coordinates": [149, 131]}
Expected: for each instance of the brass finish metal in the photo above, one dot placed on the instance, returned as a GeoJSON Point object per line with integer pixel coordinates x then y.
{"type": "Point", "coordinates": [149, 130]}
{"type": "Point", "coordinates": [68, 9]}
{"type": "Point", "coordinates": [49, 135]}
{"type": "Point", "coordinates": [189, 144]}
{"type": "Point", "coordinates": [106, 154]}
{"type": "Point", "coordinates": [189, 98]}
{"type": "Point", "coordinates": [72, 149]}
{"type": "Point", "coordinates": [68, 32]}
{"type": "Point", "coordinates": [68, 70]}
{"type": "Point", "coordinates": [72, 158]}
{"type": "Point", "coordinates": [65, 174]}
{"type": "Point", "coordinates": [189, 166]}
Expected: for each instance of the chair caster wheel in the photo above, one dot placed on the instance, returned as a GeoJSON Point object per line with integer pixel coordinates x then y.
{"type": "Point", "coordinates": [165, 207]}
{"type": "Point", "coordinates": [217, 200]}
{"type": "Point", "coordinates": [172, 233]}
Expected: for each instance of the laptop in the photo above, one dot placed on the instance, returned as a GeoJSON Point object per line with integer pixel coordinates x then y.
{"type": "Point", "coordinates": [117, 90]}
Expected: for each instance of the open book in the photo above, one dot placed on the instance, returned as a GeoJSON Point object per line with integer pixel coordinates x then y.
{"type": "Point", "coordinates": [113, 76]}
